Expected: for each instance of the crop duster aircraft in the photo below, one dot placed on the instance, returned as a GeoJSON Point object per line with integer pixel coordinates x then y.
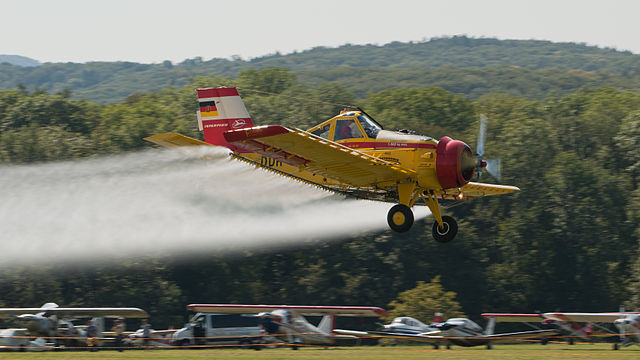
{"type": "Point", "coordinates": [289, 323]}
{"type": "Point", "coordinates": [350, 154]}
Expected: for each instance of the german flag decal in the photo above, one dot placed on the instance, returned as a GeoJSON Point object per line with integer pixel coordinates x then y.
{"type": "Point", "coordinates": [208, 108]}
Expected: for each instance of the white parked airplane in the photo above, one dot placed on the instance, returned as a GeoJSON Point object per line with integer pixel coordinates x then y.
{"type": "Point", "coordinates": [51, 321]}
{"type": "Point", "coordinates": [456, 331]}
{"type": "Point", "coordinates": [289, 322]}
{"type": "Point", "coordinates": [19, 340]}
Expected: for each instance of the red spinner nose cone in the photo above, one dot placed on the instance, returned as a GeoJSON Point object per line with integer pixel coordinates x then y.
{"type": "Point", "coordinates": [455, 163]}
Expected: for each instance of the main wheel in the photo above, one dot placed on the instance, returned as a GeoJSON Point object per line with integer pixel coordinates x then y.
{"type": "Point", "coordinates": [400, 218]}
{"type": "Point", "coordinates": [448, 233]}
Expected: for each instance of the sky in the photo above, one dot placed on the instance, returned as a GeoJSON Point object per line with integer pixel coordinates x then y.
{"type": "Point", "coordinates": [153, 31]}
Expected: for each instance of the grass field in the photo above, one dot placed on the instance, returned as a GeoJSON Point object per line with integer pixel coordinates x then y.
{"type": "Point", "coordinates": [518, 352]}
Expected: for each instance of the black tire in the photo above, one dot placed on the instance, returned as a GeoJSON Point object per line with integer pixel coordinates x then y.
{"type": "Point", "coordinates": [449, 232]}
{"type": "Point", "coordinates": [400, 218]}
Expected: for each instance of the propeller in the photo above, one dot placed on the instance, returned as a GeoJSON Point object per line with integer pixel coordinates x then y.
{"type": "Point", "coordinates": [491, 165]}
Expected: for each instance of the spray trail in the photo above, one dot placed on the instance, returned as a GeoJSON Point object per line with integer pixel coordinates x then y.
{"type": "Point", "coordinates": [165, 202]}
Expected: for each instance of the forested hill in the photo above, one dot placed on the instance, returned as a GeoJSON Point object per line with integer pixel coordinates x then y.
{"type": "Point", "coordinates": [467, 66]}
{"type": "Point", "coordinates": [18, 60]}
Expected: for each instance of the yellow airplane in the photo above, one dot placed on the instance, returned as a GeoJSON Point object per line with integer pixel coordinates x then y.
{"type": "Point", "coordinates": [349, 154]}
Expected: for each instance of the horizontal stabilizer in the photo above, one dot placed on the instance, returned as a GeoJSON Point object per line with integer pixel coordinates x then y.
{"type": "Point", "coordinates": [507, 317]}
{"type": "Point", "coordinates": [173, 140]}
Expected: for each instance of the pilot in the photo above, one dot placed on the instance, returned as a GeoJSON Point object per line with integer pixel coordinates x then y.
{"type": "Point", "coordinates": [345, 131]}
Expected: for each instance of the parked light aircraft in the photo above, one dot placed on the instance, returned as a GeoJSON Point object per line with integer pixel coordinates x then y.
{"type": "Point", "coordinates": [628, 323]}
{"type": "Point", "coordinates": [570, 329]}
{"type": "Point", "coordinates": [289, 323]}
{"type": "Point", "coordinates": [51, 321]}
{"type": "Point", "coordinates": [157, 338]}
{"type": "Point", "coordinates": [456, 331]}
{"type": "Point", "coordinates": [19, 340]}
{"type": "Point", "coordinates": [350, 154]}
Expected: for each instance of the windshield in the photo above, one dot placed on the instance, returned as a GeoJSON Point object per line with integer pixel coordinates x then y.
{"type": "Point", "coordinates": [346, 129]}
{"type": "Point", "coordinates": [370, 127]}
{"type": "Point", "coordinates": [323, 132]}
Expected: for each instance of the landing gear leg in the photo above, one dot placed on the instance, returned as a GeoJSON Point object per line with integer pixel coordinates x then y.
{"type": "Point", "coordinates": [445, 228]}
{"type": "Point", "coordinates": [400, 217]}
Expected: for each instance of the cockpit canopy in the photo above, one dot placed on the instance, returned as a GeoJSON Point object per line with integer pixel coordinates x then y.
{"type": "Point", "coordinates": [408, 321]}
{"type": "Point", "coordinates": [465, 323]}
{"type": "Point", "coordinates": [357, 125]}
{"type": "Point", "coordinates": [347, 125]}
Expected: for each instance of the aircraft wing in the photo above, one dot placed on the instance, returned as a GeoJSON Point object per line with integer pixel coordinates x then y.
{"type": "Point", "coordinates": [317, 155]}
{"type": "Point", "coordinates": [522, 335]}
{"type": "Point", "coordinates": [587, 317]}
{"type": "Point", "coordinates": [475, 190]}
{"type": "Point", "coordinates": [432, 337]}
{"type": "Point", "coordinates": [78, 312]}
{"type": "Point", "coordinates": [359, 311]}
{"type": "Point", "coordinates": [505, 317]}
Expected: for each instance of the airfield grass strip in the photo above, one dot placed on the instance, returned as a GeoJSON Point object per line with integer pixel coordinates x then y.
{"type": "Point", "coordinates": [516, 352]}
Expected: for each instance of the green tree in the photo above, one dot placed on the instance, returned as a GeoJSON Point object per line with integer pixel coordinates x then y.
{"type": "Point", "coordinates": [424, 300]}
{"type": "Point", "coordinates": [433, 111]}
{"type": "Point", "coordinates": [268, 81]}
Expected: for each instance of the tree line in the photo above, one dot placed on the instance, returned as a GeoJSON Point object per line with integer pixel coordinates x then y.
{"type": "Point", "coordinates": [462, 65]}
{"type": "Point", "coordinates": [568, 241]}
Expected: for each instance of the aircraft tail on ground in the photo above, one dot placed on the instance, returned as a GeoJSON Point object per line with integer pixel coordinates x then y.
{"type": "Point", "coordinates": [326, 324]}
{"type": "Point", "coordinates": [98, 322]}
{"type": "Point", "coordinates": [221, 109]}
{"type": "Point", "coordinates": [490, 326]}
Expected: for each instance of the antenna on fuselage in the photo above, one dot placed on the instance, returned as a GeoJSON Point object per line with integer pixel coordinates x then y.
{"type": "Point", "coordinates": [370, 117]}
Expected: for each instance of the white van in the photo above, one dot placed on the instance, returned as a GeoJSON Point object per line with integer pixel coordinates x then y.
{"type": "Point", "coordinates": [221, 329]}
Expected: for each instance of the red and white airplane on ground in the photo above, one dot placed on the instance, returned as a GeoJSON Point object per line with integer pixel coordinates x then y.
{"type": "Point", "coordinates": [288, 322]}
{"type": "Point", "coordinates": [627, 323]}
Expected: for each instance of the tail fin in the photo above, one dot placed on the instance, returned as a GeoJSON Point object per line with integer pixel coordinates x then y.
{"type": "Point", "coordinates": [490, 326]}
{"type": "Point", "coordinates": [221, 109]}
{"type": "Point", "coordinates": [98, 322]}
{"type": "Point", "coordinates": [326, 324]}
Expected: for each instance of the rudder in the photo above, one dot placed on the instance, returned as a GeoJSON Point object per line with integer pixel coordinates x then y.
{"type": "Point", "coordinates": [221, 109]}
